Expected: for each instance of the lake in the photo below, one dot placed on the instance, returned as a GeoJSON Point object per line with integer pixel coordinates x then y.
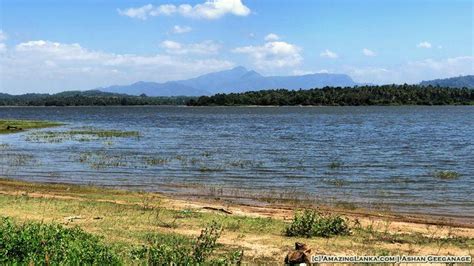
{"type": "Point", "coordinates": [371, 157]}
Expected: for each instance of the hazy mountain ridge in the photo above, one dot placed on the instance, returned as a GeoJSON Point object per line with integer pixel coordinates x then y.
{"type": "Point", "coordinates": [238, 79]}
{"type": "Point", "coordinates": [454, 82]}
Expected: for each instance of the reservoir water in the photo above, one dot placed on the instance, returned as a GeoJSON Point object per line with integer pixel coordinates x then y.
{"type": "Point", "coordinates": [387, 157]}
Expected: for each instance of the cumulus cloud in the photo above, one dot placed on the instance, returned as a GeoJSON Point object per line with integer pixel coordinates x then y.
{"type": "Point", "coordinates": [328, 54]}
{"type": "Point", "coordinates": [368, 52]}
{"type": "Point", "coordinates": [414, 71]}
{"type": "Point", "coordinates": [272, 37]}
{"type": "Point", "coordinates": [177, 29]}
{"type": "Point", "coordinates": [211, 9]}
{"type": "Point", "coordinates": [424, 44]}
{"type": "Point", "coordinates": [203, 48]}
{"type": "Point", "coordinates": [276, 54]}
{"type": "Point", "coordinates": [139, 13]}
{"type": "Point", "coordinates": [45, 66]}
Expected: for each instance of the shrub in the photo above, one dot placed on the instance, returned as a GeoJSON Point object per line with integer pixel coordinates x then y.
{"type": "Point", "coordinates": [37, 243]}
{"type": "Point", "coordinates": [180, 250]}
{"type": "Point", "coordinates": [310, 223]}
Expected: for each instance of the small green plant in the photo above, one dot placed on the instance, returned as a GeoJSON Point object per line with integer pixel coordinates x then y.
{"type": "Point", "coordinates": [310, 223]}
{"type": "Point", "coordinates": [43, 244]}
{"type": "Point", "coordinates": [446, 175]}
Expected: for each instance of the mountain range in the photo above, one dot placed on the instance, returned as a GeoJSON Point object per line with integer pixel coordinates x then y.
{"type": "Point", "coordinates": [238, 79]}
{"type": "Point", "coordinates": [454, 82]}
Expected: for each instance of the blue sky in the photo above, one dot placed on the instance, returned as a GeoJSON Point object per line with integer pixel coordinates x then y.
{"type": "Point", "coordinates": [50, 46]}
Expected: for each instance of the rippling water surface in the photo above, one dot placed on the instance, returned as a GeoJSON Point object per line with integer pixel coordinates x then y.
{"type": "Point", "coordinates": [365, 156]}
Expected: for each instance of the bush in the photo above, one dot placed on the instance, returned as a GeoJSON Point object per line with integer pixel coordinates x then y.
{"type": "Point", "coordinates": [37, 243]}
{"type": "Point", "coordinates": [179, 250]}
{"type": "Point", "coordinates": [310, 223]}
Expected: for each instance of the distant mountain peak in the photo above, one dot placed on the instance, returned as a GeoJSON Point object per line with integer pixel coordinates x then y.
{"type": "Point", "coordinates": [251, 74]}
{"type": "Point", "coordinates": [237, 79]}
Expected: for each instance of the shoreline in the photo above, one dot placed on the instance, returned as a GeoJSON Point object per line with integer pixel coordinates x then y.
{"type": "Point", "coordinates": [251, 205]}
{"type": "Point", "coordinates": [251, 202]}
{"type": "Point", "coordinates": [126, 218]}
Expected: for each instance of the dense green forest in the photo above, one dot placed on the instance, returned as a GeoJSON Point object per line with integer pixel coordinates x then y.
{"type": "Point", "coordinates": [333, 96]}
{"type": "Point", "coordinates": [87, 98]}
{"type": "Point", "coordinates": [336, 96]}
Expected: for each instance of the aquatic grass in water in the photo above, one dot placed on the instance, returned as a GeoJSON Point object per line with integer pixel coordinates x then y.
{"type": "Point", "coordinates": [81, 135]}
{"type": "Point", "coordinates": [446, 175]}
{"type": "Point", "coordinates": [12, 126]}
{"type": "Point", "coordinates": [335, 165]}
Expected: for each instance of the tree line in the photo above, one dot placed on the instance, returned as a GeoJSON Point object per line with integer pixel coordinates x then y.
{"type": "Point", "coordinates": [90, 98]}
{"type": "Point", "coordinates": [331, 96]}
{"type": "Point", "coordinates": [342, 96]}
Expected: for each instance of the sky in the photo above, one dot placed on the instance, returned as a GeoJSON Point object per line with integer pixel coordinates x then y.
{"type": "Point", "coordinates": [57, 45]}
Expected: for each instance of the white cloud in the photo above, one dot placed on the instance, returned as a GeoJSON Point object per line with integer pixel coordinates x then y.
{"type": "Point", "coordinates": [203, 48]}
{"type": "Point", "coordinates": [368, 52]}
{"type": "Point", "coordinates": [139, 13]}
{"type": "Point", "coordinates": [322, 71]}
{"type": "Point", "coordinates": [177, 29]}
{"type": "Point", "coordinates": [211, 9]}
{"type": "Point", "coordinates": [272, 37]}
{"type": "Point", "coordinates": [299, 72]}
{"type": "Point", "coordinates": [271, 55]}
{"type": "Point", "coordinates": [424, 44]}
{"type": "Point", "coordinates": [415, 71]}
{"type": "Point", "coordinates": [328, 54]}
{"type": "Point", "coordinates": [3, 36]}
{"type": "Point", "coordinates": [45, 66]}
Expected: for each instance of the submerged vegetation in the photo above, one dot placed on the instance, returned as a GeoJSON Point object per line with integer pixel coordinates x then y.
{"type": "Point", "coordinates": [82, 134]}
{"type": "Point", "coordinates": [12, 126]}
{"type": "Point", "coordinates": [446, 175]}
{"type": "Point", "coordinates": [337, 96]}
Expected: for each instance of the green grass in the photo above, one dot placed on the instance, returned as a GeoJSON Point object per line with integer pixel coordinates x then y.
{"type": "Point", "coordinates": [38, 243]}
{"type": "Point", "coordinates": [164, 249]}
{"type": "Point", "coordinates": [21, 125]}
